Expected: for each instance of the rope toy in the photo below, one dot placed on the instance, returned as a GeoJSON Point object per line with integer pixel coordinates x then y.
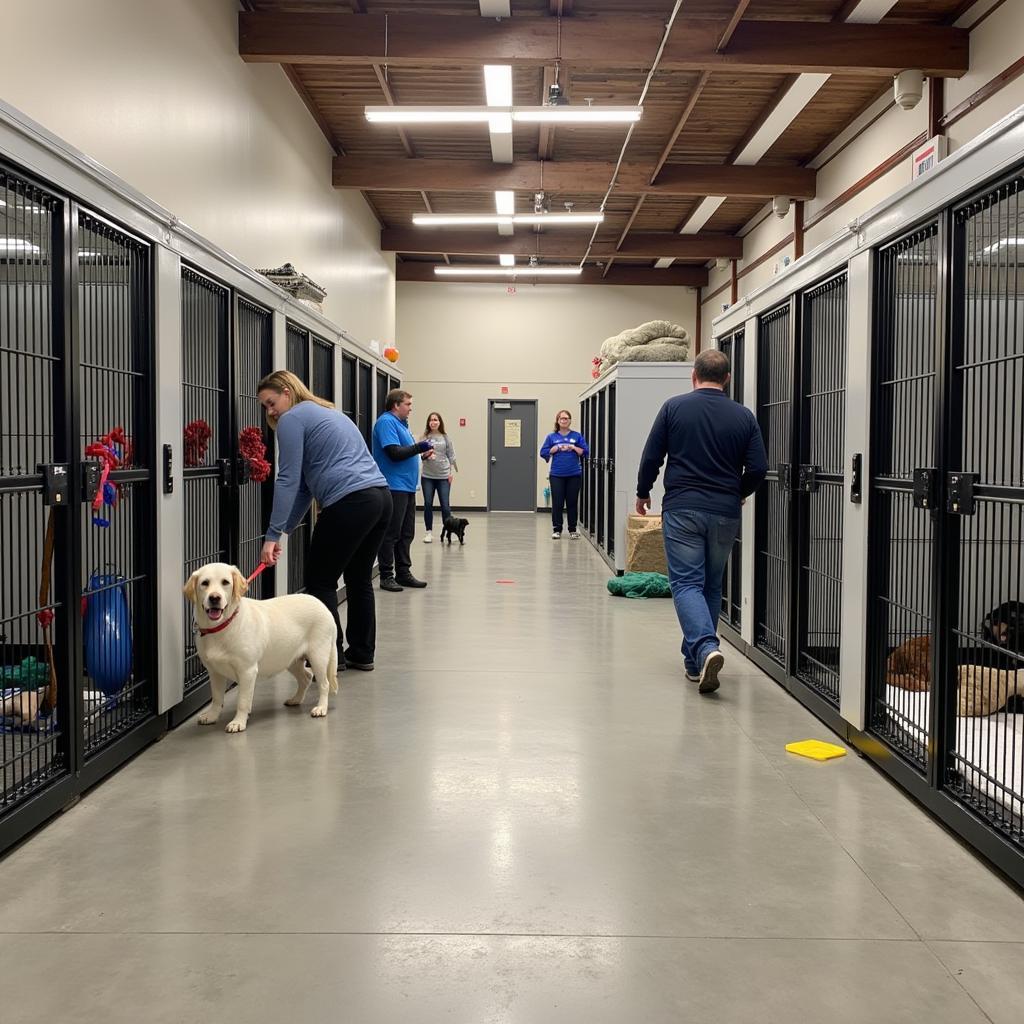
{"type": "Point", "coordinates": [110, 458]}
{"type": "Point", "coordinates": [197, 438]}
{"type": "Point", "coordinates": [254, 451]}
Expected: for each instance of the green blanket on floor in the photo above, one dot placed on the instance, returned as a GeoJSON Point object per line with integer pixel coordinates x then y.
{"type": "Point", "coordinates": [640, 584]}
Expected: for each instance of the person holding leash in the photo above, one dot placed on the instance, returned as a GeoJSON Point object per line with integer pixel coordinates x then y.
{"type": "Point", "coordinates": [321, 456]}
{"type": "Point", "coordinates": [437, 474]}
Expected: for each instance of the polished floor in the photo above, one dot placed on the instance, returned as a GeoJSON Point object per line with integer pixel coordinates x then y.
{"type": "Point", "coordinates": [524, 815]}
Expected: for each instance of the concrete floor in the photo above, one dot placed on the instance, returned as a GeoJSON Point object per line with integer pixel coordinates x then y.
{"type": "Point", "coordinates": [524, 815]}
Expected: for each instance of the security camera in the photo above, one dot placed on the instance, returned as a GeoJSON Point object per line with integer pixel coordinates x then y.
{"type": "Point", "coordinates": [908, 87]}
{"type": "Point", "coordinates": [780, 206]}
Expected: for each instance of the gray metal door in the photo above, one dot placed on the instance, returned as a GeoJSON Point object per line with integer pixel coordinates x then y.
{"type": "Point", "coordinates": [512, 448]}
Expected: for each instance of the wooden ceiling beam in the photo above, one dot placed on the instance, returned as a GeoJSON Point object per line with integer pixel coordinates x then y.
{"type": "Point", "coordinates": [561, 245]}
{"type": "Point", "coordinates": [577, 177]}
{"type": "Point", "coordinates": [737, 17]}
{"type": "Point", "coordinates": [691, 277]}
{"type": "Point", "coordinates": [603, 42]}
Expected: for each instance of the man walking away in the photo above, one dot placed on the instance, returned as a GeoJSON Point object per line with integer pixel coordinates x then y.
{"type": "Point", "coordinates": [395, 450]}
{"type": "Point", "coordinates": [716, 459]}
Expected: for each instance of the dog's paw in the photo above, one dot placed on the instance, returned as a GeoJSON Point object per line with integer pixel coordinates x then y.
{"type": "Point", "coordinates": [293, 702]}
{"type": "Point", "coordinates": [319, 711]}
{"type": "Point", "coordinates": [209, 718]}
{"type": "Point", "coordinates": [235, 725]}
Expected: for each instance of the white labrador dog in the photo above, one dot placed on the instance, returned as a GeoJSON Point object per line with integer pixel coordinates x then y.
{"type": "Point", "coordinates": [238, 638]}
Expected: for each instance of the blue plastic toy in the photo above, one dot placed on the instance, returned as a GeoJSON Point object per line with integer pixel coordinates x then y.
{"type": "Point", "coordinates": [108, 633]}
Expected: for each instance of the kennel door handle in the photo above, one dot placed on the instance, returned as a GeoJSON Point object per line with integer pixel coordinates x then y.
{"type": "Point", "coordinates": [223, 472]}
{"type": "Point", "coordinates": [494, 459]}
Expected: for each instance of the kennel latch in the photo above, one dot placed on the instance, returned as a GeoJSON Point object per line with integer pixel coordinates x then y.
{"type": "Point", "coordinates": [808, 479]}
{"type": "Point", "coordinates": [55, 483]}
{"type": "Point", "coordinates": [242, 471]}
{"type": "Point", "coordinates": [856, 473]}
{"type": "Point", "coordinates": [924, 488]}
{"type": "Point", "coordinates": [224, 472]}
{"type": "Point", "coordinates": [785, 470]}
{"type": "Point", "coordinates": [92, 473]}
{"type": "Point", "coordinates": [960, 493]}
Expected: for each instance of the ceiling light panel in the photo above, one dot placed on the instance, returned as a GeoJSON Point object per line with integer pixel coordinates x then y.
{"type": "Point", "coordinates": [457, 271]}
{"type": "Point", "coordinates": [507, 259]}
{"type": "Point", "coordinates": [505, 203]}
{"type": "Point", "coordinates": [496, 220]}
{"type": "Point", "coordinates": [498, 84]}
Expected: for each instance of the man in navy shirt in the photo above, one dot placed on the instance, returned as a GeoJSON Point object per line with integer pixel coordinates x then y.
{"type": "Point", "coordinates": [716, 459]}
{"type": "Point", "coordinates": [395, 450]}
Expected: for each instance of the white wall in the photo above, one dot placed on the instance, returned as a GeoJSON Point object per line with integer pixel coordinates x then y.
{"type": "Point", "coordinates": [156, 92]}
{"type": "Point", "coordinates": [460, 343]}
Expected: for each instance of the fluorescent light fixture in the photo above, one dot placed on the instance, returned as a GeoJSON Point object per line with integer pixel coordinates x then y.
{"type": "Point", "coordinates": [505, 203]}
{"type": "Point", "coordinates": [499, 114]}
{"type": "Point", "coordinates": [578, 115]}
{"type": "Point", "coordinates": [507, 259]}
{"type": "Point", "coordinates": [664, 263]}
{"type": "Point", "coordinates": [457, 271]}
{"type": "Point", "coordinates": [498, 220]}
{"type": "Point", "coordinates": [498, 84]}
{"type": "Point", "coordinates": [430, 115]}
{"type": "Point", "coordinates": [558, 218]}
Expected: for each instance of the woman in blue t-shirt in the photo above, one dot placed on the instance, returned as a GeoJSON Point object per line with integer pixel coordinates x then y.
{"type": "Point", "coordinates": [564, 448]}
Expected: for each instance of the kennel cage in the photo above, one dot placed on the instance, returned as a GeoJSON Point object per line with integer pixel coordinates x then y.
{"type": "Point", "coordinates": [732, 579]}
{"type": "Point", "coordinates": [947, 632]}
{"type": "Point", "coordinates": [226, 348]}
{"type": "Point", "coordinates": [773, 543]}
{"type": "Point", "coordinates": [76, 351]}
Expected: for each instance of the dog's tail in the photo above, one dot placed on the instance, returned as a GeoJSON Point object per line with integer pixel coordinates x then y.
{"type": "Point", "coordinates": [332, 669]}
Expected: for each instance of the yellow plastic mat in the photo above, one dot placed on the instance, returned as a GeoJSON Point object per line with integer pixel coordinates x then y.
{"type": "Point", "coordinates": [816, 749]}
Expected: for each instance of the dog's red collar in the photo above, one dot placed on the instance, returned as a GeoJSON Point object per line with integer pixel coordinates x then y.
{"type": "Point", "coordinates": [217, 629]}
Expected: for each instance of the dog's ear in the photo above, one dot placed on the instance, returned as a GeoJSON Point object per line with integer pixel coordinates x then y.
{"type": "Point", "coordinates": [239, 584]}
{"type": "Point", "coordinates": [189, 590]}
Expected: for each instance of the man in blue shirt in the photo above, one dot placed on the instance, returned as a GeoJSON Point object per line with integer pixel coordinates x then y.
{"type": "Point", "coordinates": [716, 459]}
{"type": "Point", "coordinates": [395, 451]}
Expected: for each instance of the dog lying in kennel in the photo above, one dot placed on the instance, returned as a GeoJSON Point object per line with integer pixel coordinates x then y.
{"type": "Point", "coordinates": [984, 689]}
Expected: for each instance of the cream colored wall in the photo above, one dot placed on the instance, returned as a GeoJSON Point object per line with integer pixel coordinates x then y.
{"type": "Point", "coordinates": [156, 91]}
{"type": "Point", "coordinates": [460, 343]}
{"type": "Point", "coordinates": [886, 136]}
{"type": "Point", "coordinates": [765, 236]}
{"type": "Point", "coordinates": [996, 43]}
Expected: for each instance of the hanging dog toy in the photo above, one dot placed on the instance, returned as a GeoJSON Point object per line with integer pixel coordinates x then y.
{"type": "Point", "coordinates": [197, 437]}
{"type": "Point", "coordinates": [110, 458]}
{"type": "Point", "coordinates": [254, 451]}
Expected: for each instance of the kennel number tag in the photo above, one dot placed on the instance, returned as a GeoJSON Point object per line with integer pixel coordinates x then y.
{"type": "Point", "coordinates": [513, 433]}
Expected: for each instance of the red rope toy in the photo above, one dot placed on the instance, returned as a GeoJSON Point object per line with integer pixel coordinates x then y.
{"type": "Point", "coordinates": [254, 451]}
{"type": "Point", "coordinates": [111, 458]}
{"type": "Point", "coordinates": [197, 438]}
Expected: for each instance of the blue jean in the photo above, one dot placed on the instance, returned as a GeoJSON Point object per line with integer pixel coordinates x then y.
{"type": "Point", "coordinates": [697, 546]}
{"type": "Point", "coordinates": [444, 490]}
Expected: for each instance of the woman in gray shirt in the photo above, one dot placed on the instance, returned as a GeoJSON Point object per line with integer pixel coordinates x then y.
{"type": "Point", "coordinates": [437, 473]}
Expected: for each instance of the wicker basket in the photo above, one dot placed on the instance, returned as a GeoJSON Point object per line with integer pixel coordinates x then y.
{"type": "Point", "coordinates": [645, 549]}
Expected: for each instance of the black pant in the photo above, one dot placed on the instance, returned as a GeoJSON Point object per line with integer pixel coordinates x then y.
{"type": "Point", "coordinates": [565, 490]}
{"type": "Point", "coordinates": [395, 557]}
{"type": "Point", "coordinates": [344, 544]}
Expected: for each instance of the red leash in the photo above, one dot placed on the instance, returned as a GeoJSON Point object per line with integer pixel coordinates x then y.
{"type": "Point", "coordinates": [259, 568]}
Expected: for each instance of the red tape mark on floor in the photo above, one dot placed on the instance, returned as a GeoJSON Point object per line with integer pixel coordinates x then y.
{"type": "Point", "coordinates": [505, 581]}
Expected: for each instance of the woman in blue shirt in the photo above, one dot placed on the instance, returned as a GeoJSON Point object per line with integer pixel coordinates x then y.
{"type": "Point", "coordinates": [564, 448]}
{"type": "Point", "coordinates": [321, 455]}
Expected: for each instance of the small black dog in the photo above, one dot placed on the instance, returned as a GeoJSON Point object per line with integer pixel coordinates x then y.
{"type": "Point", "coordinates": [454, 527]}
{"type": "Point", "coordinates": [1005, 626]}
